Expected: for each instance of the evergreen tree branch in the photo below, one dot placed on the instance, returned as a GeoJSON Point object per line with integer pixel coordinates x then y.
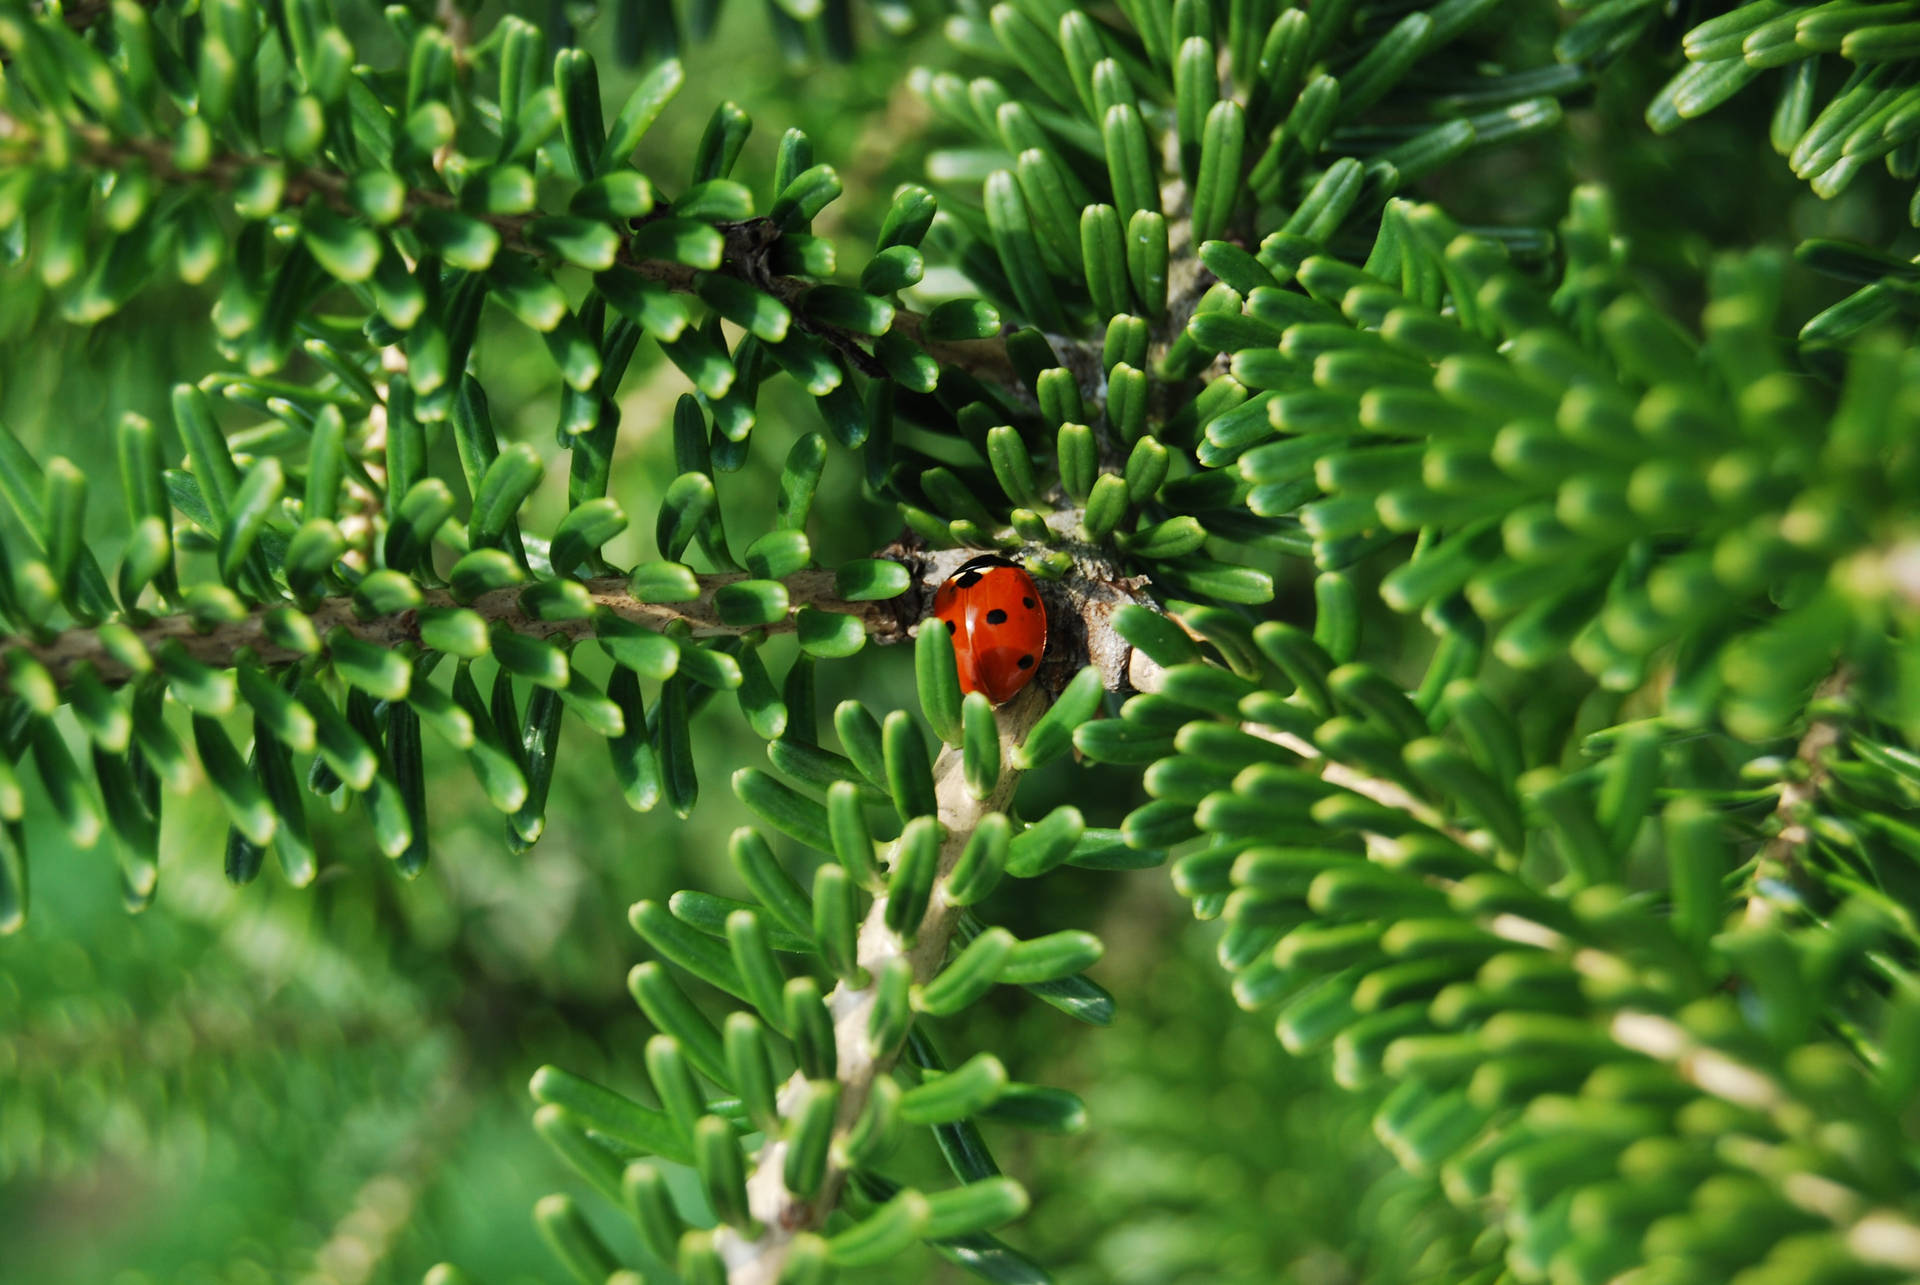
{"type": "Point", "coordinates": [263, 633]}
{"type": "Point", "coordinates": [749, 243]}
{"type": "Point", "coordinates": [1148, 677]}
{"type": "Point", "coordinates": [783, 1215]}
{"type": "Point", "coordinates": [1384, 792]}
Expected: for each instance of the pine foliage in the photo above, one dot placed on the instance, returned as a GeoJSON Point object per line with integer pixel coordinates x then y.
{"type": "Point", "coordinates": [1587, 852]}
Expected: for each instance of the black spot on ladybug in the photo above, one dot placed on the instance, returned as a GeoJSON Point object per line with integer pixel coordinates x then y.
{"type": "Point", "coordinates": [968, 579]}
{"type": "Point", "coordinates": [1028, 603]}
{"type": "Point", "coordinates": [1026, 662]}
{"type": "Point", "coordinates": [953, 626]}
{"type": "Point", "coordinates": [996, 617]}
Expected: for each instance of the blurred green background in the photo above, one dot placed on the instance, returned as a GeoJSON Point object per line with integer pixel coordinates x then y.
{"type": "Point", "coordinates": [263, 1084]}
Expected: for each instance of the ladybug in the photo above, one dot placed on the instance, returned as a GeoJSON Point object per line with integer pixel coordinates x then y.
{"type": "Point", "coordinates": [999, 628]}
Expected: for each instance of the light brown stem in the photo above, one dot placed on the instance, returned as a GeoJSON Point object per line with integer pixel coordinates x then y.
{"type": "Point", "coordinates": [220, 645]}
{"type": "Point", "coordinates": [781, 1213]}
{"type": "Point", "coordinates": [1779, 857]}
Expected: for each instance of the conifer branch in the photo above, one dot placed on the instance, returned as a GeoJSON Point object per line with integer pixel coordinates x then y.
{"type": "Point", "coordinates": [262, 633]}
{"type": "Point", "coordinates": [783, 1214]}
{"type": "Point", "coordinates": [1146, 676]}
{"type": "Point", "coordinates": [1386, 793]}
{"type": "Point", "coordinates": [748, 243]}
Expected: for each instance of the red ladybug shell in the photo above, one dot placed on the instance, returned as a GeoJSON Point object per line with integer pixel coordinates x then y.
{"type": "Point", "coordinates": [999, 626]}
